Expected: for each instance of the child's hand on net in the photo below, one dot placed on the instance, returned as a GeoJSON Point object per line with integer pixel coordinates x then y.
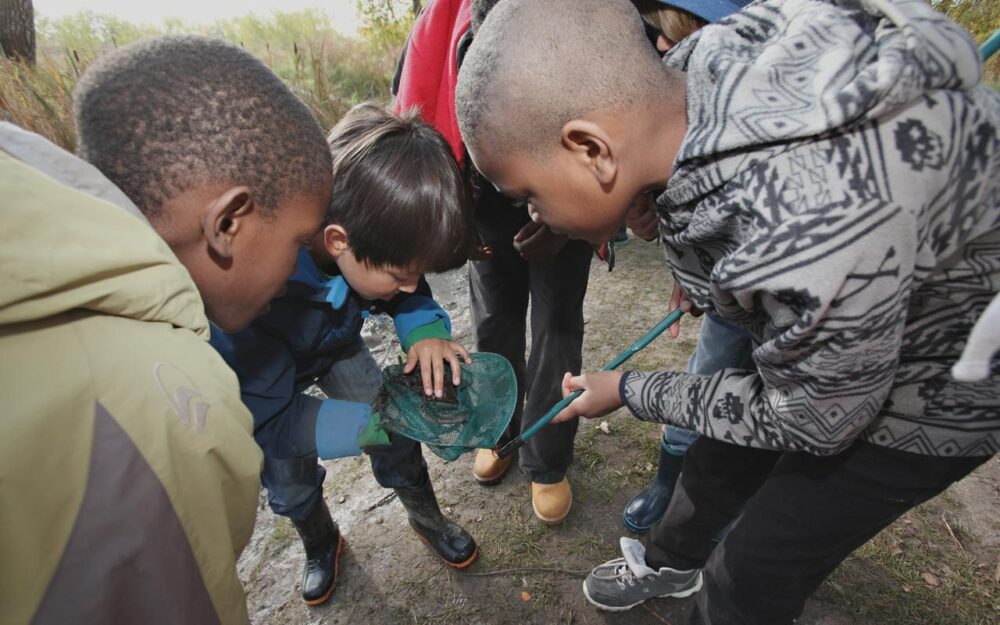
{"type": "Point", "coordinates": [600, 395]}
{"type": "Point", "coordinates": [430, 355]}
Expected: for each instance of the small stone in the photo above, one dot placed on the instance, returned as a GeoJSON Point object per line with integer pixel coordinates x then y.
{"type": "Point", "coordinates": [378, 521]}
{"type": "Point", "coordinates": [342, 499]}
{"type": "Point", "coordinates": [604, 427]}
{"type": "Point", "coordinates": [930, 579]}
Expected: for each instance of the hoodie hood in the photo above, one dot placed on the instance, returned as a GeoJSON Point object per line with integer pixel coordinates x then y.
{"type": "Point", "coordinates": [71, 240]}
{"type": "Point", "coordinates": [784, 70]}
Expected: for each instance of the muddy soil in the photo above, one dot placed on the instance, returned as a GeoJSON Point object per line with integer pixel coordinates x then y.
{"type": "Point", "coordinates": [527, 572]}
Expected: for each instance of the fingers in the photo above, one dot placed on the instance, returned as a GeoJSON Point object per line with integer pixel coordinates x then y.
{"type": "Point", "coordinates": [426, 376]}
{"type": "Point", "coordinates": [456, 371]}
{"type": "Point", "coordinates": [567, 414]}
{"type": "Point", "coordinates": [437, 366]}
{"type": "Point", "coordinates": [464, 353]}
{"type": "Point", "coordinates": [526, 231]}
{"type": "Point", "coordinates": [567, 382]}
{"type": "Point", "coordinates": [411, 361]}
{"type": "Point", "coordinates": [676, 298]}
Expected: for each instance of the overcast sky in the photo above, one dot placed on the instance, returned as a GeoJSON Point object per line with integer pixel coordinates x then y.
{"type": "Point", "coordinates": [343, 12]}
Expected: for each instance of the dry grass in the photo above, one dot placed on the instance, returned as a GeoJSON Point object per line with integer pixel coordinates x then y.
{"type": "Point", "coordinates": [39, 98]}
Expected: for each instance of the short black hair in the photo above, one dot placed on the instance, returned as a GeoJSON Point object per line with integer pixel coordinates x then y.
{"type": "Point", "coordinates": [536, 64]}
{"type": "Point", "coordinates": [166, 114]}
{"type": "Point", "coordinates": [398, 192]}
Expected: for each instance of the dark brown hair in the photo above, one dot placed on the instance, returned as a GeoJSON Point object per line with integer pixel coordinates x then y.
{"type": "Point", "coordinates": [398, 192]}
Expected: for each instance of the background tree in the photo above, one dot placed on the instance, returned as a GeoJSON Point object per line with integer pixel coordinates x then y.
{"type": "Point", "coordinates": [17, 29]}
{"type": "Point", "coordinates": [386, 23]}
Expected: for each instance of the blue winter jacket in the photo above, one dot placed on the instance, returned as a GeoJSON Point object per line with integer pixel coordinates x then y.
{"type": "Point", "coordinates": [285, 350]}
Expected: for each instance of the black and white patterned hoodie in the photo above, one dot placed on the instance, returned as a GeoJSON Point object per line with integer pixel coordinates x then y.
{"type": "Point", "coordinates": [837, 194]}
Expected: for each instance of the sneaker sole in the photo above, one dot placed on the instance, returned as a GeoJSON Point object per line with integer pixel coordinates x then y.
{"type": "Point", "coordinates": [669, 595]}
{"type": "Point", "coordinates": [454, 565]}
{"type": "Point", "coordinates": [336, 574]}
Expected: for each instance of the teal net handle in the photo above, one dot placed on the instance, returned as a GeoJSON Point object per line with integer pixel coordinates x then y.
{"type": "Point", "coordinates": [990, 46]}
{"type": "Point", "coordinates": [632, 350]}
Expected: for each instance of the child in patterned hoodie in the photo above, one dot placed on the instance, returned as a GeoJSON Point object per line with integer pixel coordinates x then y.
{"type": "Point", "coordinates": [828, 178]}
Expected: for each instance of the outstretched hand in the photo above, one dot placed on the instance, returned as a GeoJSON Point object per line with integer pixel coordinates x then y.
{"type": "Point", "coordinates": [431, 355]}
{"type": "Point", "coordinates": [600, 395]}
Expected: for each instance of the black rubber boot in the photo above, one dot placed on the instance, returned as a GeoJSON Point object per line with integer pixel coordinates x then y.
{"type": "Point", "coordinates": [323, 544]}
{"type": "Point", "coordinates": [647, 507]}
{"type": "Point", "coordinates": [452, 543]}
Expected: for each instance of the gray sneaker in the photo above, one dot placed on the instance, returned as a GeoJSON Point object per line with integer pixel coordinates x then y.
{"type": "Point", "coordinates": [624, 583]}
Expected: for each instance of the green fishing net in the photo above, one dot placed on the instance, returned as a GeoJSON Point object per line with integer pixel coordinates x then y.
{"type": "Point", "coordinates": [470, 416]}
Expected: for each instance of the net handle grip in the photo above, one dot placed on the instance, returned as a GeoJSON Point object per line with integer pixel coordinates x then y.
{"type": "Point", "coordinates": [638, 346]}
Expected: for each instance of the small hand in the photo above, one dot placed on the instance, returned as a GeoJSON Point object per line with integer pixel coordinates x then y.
{"type": "Point", "coordinates": [600, 395]}
{"type": "Point", "coordinates": [430, 354]}
{"type": "Point", "coordinates": [535, 241]}
{"type": "Point", "coordinates": [679, 299]}
{"type": "Point", "coordinates": [642, 219]}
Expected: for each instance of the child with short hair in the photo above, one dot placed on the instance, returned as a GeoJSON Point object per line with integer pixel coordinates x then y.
{"type": "Point", "coordinates": [127, 467]}
{"type": "Point", "coordinates": [830, 177]}
{"type": "Point", "coordinates": [399, 209]}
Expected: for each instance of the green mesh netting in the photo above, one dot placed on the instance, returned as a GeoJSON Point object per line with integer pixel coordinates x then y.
{"type": "Point", "coordinates": [470, 416]}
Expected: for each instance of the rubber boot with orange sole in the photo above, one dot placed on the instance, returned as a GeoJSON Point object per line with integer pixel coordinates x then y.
{"type": "Point", "coordinates": [445, 537]}
{"type": "Point", "coordinates": [323, 542]}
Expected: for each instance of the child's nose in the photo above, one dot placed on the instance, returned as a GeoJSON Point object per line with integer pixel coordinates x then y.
{"type": "Point", "coordinates": [410, 286]}
{"type": "Point", "coordinates": [534, 214]}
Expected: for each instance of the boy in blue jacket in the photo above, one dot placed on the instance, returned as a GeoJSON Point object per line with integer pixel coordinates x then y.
{"type": "Point", "coordinates": [399, 208]}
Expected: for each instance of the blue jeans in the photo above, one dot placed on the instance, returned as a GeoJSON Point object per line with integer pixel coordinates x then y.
{"type": "Point", "coordinates": [295, 482]}
{"type": "Point", "coordinates": [720, 346]}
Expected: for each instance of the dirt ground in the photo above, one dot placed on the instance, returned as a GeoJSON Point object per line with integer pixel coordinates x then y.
{"type": "Point", "coordinates": [939, 564]}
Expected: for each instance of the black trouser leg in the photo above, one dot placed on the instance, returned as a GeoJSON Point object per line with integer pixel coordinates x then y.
{"type": "Point", "coordinates": [558, 287]}
{"type": "Point", "coordinates": [808, 514]}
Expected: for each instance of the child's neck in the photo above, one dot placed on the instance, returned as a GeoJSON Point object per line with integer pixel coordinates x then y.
{"type": "Point", "coordinates": [660, 130]}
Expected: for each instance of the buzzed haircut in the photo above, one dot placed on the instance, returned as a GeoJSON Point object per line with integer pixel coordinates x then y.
{"type": "Point", "coordinates": [536, 64]}
{"type": "Point", "coordinates": [398, 192]}
{"type": "Point", "coordinates": [165, 115]}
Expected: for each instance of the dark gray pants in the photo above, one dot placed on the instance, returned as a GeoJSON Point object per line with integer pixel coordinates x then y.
{"type": "Point", "coordinates": [499, 289]}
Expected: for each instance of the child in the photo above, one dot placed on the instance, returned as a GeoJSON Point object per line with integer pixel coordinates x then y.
{"type": "Point", "coordinates": [831, 176]}
{"type": "Point", "coordinates": [526, 261]}
{"type": "Point", "coordinates": [128, 471]}
{"type": "Point", "coordinates": [398, 210]}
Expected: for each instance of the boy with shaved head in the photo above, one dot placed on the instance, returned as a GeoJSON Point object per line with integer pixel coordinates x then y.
{"type": "Point", "coordinates": [827, 177]}
{"type": "Point", "coordinates": [128, 468]}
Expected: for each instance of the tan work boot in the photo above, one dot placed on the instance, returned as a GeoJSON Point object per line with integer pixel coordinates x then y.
{"type": "Point", "coordinates": [489, 469]}
{"type": "Point", "coordinates": [551, 502]}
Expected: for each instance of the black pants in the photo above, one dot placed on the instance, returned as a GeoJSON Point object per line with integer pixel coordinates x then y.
{"type": "Point", "coordinates": [801, 516]}
{"type": "Point", "coordinates": [499, 289]}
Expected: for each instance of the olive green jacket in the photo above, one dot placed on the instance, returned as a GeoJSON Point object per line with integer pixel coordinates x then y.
{"type": "Point", "coordinates": [128, 470]}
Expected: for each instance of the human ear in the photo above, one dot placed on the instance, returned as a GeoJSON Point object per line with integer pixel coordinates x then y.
{"type": "Point", "coordinates": [335, 240]}
{"type": "Point", "coordinates": [225, 218]}
{"type": "Point", "coordinates": [592, 146]}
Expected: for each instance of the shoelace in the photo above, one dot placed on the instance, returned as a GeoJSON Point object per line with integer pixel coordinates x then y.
{"type": "Point", "coordinates": [624, 576]}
